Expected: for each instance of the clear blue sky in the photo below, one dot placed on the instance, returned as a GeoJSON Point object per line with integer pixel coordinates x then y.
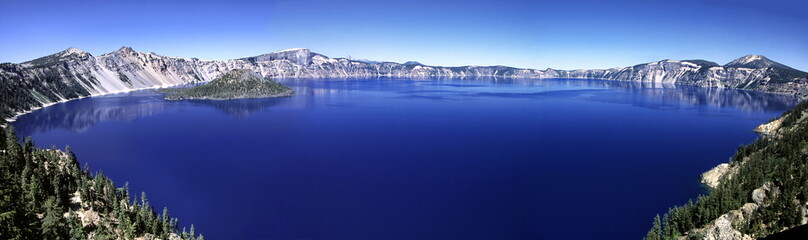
{"type": "Point", "coordinates": [565, 34]}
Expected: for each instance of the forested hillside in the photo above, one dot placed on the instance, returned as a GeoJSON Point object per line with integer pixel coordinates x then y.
{"type": "Point", "coordinates": [44, 194]}
{"type": "Point", "coordinates": [764, 192]}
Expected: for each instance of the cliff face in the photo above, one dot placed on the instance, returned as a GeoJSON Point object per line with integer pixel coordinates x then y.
{"type": "Point", "coordinates": [761, 192]}
{"type": "Point", "coordinates": [73, 73]}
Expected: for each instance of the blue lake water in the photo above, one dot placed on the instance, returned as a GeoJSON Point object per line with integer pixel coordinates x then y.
{"type": "Point", "coordinates": [414, 158]}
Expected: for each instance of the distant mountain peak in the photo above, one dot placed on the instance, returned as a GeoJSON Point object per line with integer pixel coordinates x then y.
{"type": "Point", "coordinates": [69, 53]}
{"type": "Point", "coordinates": [125, 50]}
{"type": "Point", "coordinates": [754, 61]}
{"type": "Point", "coordinates": [72, 50]}
{"type": "Point", "coordinates": [750, 58]}
{"type": "Point", "coordinates": [412, 63]}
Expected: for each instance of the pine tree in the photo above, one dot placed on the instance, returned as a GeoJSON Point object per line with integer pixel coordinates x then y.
{"type": "Point", "coordinates": [73, 162]}
{"type": "Point", "coordinates": [28, 147]}
{"type": "Point", "coordinates": [54, 225]}
{"type": "Point", "coordinates": [11, 208]}
{"type": "Point", "coordinates": [34, 196]}
{"type": "Point", "coordinates": [39, 182]}
{"type": "Point", "coordinates": [656, 231]}
{"type": "Point", "coordinates": [166, 222]}
{"type": "Point", "coordinates": [76, 228]}
{"type": "Point", "coordinates": [13, 149]}
{"type": "Point", "coordinates": [3, 143]}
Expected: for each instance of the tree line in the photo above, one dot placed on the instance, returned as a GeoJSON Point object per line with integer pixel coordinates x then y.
{"type": "Point", "coordinates": [44, 194]}
{"type": "Point", "coordinates": [780, 160]}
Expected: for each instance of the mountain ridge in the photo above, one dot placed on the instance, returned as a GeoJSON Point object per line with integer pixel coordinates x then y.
{"type": "Point", "coordinates": [74, 73]}
{"type": "Point", "coordinates": [741, 62]}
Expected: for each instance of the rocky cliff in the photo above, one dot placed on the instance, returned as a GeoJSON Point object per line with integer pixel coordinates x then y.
{"type": "Point", "coordinates": [763, 191]}
{"type": "Point", "coordinates": [73, 73]}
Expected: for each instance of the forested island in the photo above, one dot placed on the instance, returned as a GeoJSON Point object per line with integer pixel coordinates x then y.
{"type": "Point", "coordinates": [236, 84]}
{"type": "Point", "coordinates": [73, 73]}
{"type": "Point", "coordinates": [44, 194]}
{"type": "Point", "coordinates": [762, 191]}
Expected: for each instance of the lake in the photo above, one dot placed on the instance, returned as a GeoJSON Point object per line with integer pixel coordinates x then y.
{"type": "Point", "coordinates": [409, 159]}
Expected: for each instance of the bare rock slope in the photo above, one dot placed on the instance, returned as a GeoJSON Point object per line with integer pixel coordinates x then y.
{"type": "Point", "coordinates": [73, 73]}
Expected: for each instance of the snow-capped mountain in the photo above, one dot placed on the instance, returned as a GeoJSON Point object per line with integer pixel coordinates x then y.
{"type": "Point", "coordinates": [754, 61]}
{"type": "Point", "coordinates": [73, 73]}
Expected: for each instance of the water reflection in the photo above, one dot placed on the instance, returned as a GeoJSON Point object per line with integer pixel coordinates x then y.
{"type": "Point", "coordinates": [642, 94]}
{"type": "Point", "coordinates": [657, 95]}
{"type": "Point", "coordinates": [80, 115]}
{"type": "Point", "coordinates": [242, 107]}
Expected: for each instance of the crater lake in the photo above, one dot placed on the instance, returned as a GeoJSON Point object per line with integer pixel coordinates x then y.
{"type": "Point", "coordinates": [388, 158]}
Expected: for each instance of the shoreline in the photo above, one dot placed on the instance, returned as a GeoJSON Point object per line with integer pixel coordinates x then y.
{"type": "Point", "coordinates": [18, 114]}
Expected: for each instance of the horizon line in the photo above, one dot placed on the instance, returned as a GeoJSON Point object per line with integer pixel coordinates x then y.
{"type": "Point", "coordinates": [384, 61]}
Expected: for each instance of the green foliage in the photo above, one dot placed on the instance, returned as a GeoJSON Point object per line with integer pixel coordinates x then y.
{"type": "Point", "coordinates": [235, 84]}
{"type": "Point", "coordinates": [656, 231]}
{"type": "Point", "coordinates": [780, 160]}
{"type": "Point", "coordinates": [54, 226]}
{"type": "Point", "coordinates": [76, 229]}
{"type": "Point", "coordinates": [36, 188]}
{"type": "Point", "coordinates": [794, 114]}
{"type": "Point", "coordinates": [25, 88]}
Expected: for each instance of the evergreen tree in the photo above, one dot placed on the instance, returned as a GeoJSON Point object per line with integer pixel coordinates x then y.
{"type": "Point", "coordinates": [76, 228]}
{"type": "Point", "coordinates": [54, 225]}
{"type": "Point", "coordinates": [656, 231]}
{"type": "Point", "coordinates": [166, 222]}
{"type": "Point", "coordinates": [35, 190]}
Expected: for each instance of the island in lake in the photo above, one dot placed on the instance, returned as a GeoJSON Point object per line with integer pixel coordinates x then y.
{"type": "Point", "coordinates": [236, 84]}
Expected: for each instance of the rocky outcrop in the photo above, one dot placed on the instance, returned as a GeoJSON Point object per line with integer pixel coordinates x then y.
{"type": "Point", "coordinates": [768, 189]}
{"type": "Point", "coordinates": [726, 226]}
{"type": "Point", "coordinates": [713, 177]}
{"type": "Point", "coordinates": [74, 73]}
{"type": "Point", "coordinates": [722, 228]}
{"type": "Point", "coordinates": [770, 128]}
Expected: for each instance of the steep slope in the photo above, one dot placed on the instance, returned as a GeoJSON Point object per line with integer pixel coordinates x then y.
{"type": "Point", "coordinates": [73, 73]}
{"type": "Point", "coordinates": [44, 194]}
{"type": "Point", "coordinates": [754, 61]}
{"type": "Point", "coordinates": [236, 84]}
{"type": "Point", "coordinates": [776, 72]}
{"type": "Point", "coordinates": [762, 191]}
